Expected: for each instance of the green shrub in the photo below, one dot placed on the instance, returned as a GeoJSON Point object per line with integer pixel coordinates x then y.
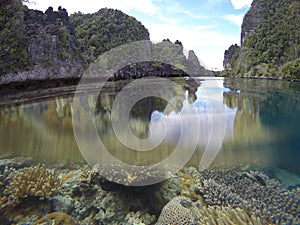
{"type": "Point", "coordinates": [291, 69]}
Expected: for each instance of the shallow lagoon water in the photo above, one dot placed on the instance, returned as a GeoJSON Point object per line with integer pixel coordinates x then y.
{"type": "Point", "coordinates": [262, 123]}
{"type": "Point", "coordinates": [261, 119]}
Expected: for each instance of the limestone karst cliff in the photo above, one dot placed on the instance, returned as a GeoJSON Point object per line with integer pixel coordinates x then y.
{"type": "Point", "coordinates": [48, 48]}
{"type": "Point", "coordinates": [53, 46]}
{"type": "Point", "coordinates": [270, 41]}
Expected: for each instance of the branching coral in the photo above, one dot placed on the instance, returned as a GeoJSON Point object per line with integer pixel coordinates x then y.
{"type": "Point", "coordinates": [3, 182]}
{"type": "Point", "coordinates": [226, 215]}
{"type": "Point", "coordinates": [252, 191]}
{"type": "Point", "coordinates": [33, 181]}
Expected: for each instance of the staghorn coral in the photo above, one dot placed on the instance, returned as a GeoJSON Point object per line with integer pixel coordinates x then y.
{"type": "Point", "coordinates": [226, 215]}
{"type": "Point", "coordinates": [180, 210]}
{"type": "Point", "coordinates": [32, 181]}
{"type": "Point", "coordinates": [252, 191]}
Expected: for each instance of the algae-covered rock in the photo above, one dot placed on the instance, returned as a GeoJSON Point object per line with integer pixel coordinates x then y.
{"type": "Point", "coordinates": [184, 183]}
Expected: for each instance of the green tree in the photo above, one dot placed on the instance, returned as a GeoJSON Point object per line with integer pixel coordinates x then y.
{"type": "Point", "coordinates": [13, 41]}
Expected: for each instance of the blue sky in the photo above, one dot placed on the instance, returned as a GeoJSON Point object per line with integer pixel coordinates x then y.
{"type": "Point", "coordinates": [208, 27]}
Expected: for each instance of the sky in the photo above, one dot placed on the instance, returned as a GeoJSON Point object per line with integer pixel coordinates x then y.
{"type": "Point", "coordinates": [208, 27]}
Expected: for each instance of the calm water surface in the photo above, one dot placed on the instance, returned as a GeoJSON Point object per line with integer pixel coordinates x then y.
{"type": "Point", "coordinates": [261, 117]}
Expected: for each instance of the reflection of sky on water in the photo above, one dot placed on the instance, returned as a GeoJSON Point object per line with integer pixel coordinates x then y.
{"type": "Point", "coordinates": [209, 105]}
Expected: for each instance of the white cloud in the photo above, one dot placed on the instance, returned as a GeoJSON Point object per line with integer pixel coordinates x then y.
{"type": "Point", "coordinates": [167, 20]}
{"type": "Point", "coordinates": [239, 4]}
{"type": "Point", "coordinates": [208, 44]}
{"type": "Point", "coordinates": [236, 19]}
{"type": "Point", "coordinates": [180, 10]}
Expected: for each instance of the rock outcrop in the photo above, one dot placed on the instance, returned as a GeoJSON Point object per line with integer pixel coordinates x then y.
{"type": "Point", "coordinates": [54, 52]}
{"type": "Point", "coordinates": [43, 46]}
{"type": "Point", "coordinates": [230, 55]}
{"type": "Point", "coordinates": [252, 19]}
{"type": "Point", "coordinates": [195, 68]}
{"type": "Point", "coordinates": [270, 41]}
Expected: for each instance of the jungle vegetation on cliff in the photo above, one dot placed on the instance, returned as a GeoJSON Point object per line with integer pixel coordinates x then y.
{"type": "Point", "coordinates": [270, 41]}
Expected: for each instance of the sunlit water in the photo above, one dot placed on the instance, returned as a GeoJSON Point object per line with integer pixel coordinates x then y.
{"type": "Point", "coordinates": [261, 118]}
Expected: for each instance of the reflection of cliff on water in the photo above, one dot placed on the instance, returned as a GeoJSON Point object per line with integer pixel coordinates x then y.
{"type": "Point", "coordinates": [43, 129]}
{"type": "Point", "coordinates": [266, 122]}
{"type": "Point", "coordinates": [139, 118]}
{"type": "Point", "coordinates": [249, 138]}
{"type": "Point", "coordinates": [261, 122]}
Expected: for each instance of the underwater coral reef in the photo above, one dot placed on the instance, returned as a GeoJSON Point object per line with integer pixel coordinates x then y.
{"type": "Point", "coordinates": [41, 194]}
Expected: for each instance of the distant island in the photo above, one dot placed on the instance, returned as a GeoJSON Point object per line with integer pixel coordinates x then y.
{"type": "Point", "coordinates": [270, 42]}
{"type": "Point", "coordinates": [51, 45]}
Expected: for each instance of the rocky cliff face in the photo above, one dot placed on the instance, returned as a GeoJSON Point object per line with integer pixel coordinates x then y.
{"type": "Point", "coordinates": [270, 41]}
{"type": "Point", "coordinates": [230, 56]}
{"type": "Point", "coordinates": [53, 50]}
{"type": "Point", "coordinates": [50, 45]}
{"type": "Point", "coordinates": [252, 19]}
{"type": "Point", "coordinates": [171, 63]}
{"type": "Point", "coordinates": [195, 68]}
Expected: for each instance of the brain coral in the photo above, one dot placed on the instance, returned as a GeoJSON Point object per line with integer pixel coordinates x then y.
{"type": "Point", "coordinates": [180, 210]}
